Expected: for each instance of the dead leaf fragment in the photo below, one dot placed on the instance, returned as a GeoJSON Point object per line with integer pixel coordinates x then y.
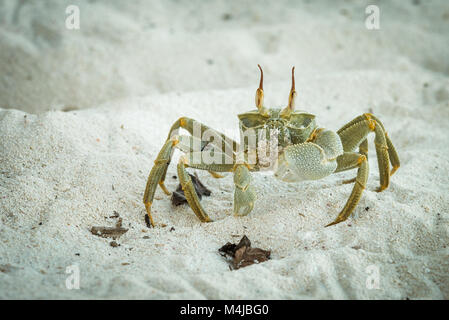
{"type": "Point", "coordinates": [114, 244]}
{"type": "Point", "coordinates": [242, 254]}
{"type": "Point", "coordinates": [5, 268]}
{"type": "Point", "coordinates": [115, 214]}
{"type": "Point", "coordinates": [108, 232]}
{"type": "Point", "coordinates": [247, 256]}
{"type": "Point", "coordinates": [178, 196]}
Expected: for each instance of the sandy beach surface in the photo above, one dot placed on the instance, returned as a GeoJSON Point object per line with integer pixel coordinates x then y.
{"type": "Point", "coordinates": [83, 114]}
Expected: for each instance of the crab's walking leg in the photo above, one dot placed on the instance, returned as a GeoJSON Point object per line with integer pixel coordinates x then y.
{"type": "Point", "coordinates": [244, 193]}
{"type": "Point", "coordinates": [363, 149]}
{"type": "Point", "coordinates": [192, 158]}
{"type": "Point", "coordinates": [190, 193]}
{"type": "Point", "coordinates": [159, 170]}
{"type": "Point", "coordinates": [156, 174]}
{"type": "Point", "coordinates": [394, 158]}
{"type": "Point", "coordinates": [199, 160]}
{"type": "Point", "coordinates": [346, 161]}
{"type": "Point", "coordinates": [191, 125]}
{"type": "Point", "coordinates": [354, 135]}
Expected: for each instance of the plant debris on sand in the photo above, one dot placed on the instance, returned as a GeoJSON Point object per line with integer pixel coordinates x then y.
{"type": "Point", "coordinates": [243, 254]}
{"type": "Point", "coordinates": [178, 196]}
{"type": "Point", "coordinates": [109, 232]}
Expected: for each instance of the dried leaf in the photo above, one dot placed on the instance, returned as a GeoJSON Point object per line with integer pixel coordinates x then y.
{"type": "Point", "coordinates": [231, 248]}
{"type": "Point", "coordinates": [228, 249]}
{"type": "Point", "coordinates": [5, 268]}
{"type": "Point", "coordinates": [113, 244]}
{"type": "Point", "coordinates": [246, 256]}
{"type": "Point", "coordinates": [108, 232]}
{"type": "Point", "coordinates": [178, 196]}
{"type": "Point", "coordinates": [242, 254]}
{"type": "Point", "coordinates": [244, 242]}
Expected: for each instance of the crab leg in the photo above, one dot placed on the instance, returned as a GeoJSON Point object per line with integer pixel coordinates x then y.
{"type": "Point", "coordinates": [185, 144]}
{"type": "Point", "coordinates": [346, 161]}
{"type": "Point", "coordinates": [190, 125]}
{"type": "Point", "coordinates": [394, 158]}
{"type": "Point", "coordinates": [244, 193]}
{"type": "Point", "coordinates": [157, 174]}
{"type": "Point", "coordinates": [363, 148]}
{"type": "Point", "coordinates": [196, 160]}
{"type": "Point", "coordinates": [354, 135]}
{"type": "Point", "coordinates": [190, 193]}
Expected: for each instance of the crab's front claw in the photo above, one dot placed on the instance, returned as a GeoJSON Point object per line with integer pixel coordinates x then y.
{"type": "Point", "coordinates": [305, 161]}
{"type": "Point", "coordinates": [284, 171]}
{"type": "Point", "coordinates": [244, 194]}
{"type": "Point", "coordinates": [244, 200]}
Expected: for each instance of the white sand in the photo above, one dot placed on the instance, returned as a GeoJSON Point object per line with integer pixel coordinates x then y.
{"type": "Point", "coordinates": [135, 68]}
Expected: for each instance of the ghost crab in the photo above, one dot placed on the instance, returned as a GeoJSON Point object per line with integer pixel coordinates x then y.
{"type": "Point", "coordinates": [306, 152]}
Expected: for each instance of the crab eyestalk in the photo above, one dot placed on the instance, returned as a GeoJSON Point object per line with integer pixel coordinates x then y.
{"type": "Point", "coordinates": [291, 98]}
{"type": "Point", "coordinates": [259, 95]}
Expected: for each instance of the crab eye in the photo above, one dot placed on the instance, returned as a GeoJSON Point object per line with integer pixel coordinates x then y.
{"type": "Point", "coordinates": [301, 120]}
{"type": "Point", "coordinates": [252, 123]}
{"type": "Point", "coordinates": [301, 124]}
{"type": "Point", "coordinates": [252, 120]}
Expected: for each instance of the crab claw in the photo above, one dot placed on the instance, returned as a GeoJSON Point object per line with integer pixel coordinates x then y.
{"type": "Point", "coordinates": [244, 194]}
{"type": "Point", "coordinates": [306, 161]}
{"type": "Point", "coordinates": [244, 201]}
